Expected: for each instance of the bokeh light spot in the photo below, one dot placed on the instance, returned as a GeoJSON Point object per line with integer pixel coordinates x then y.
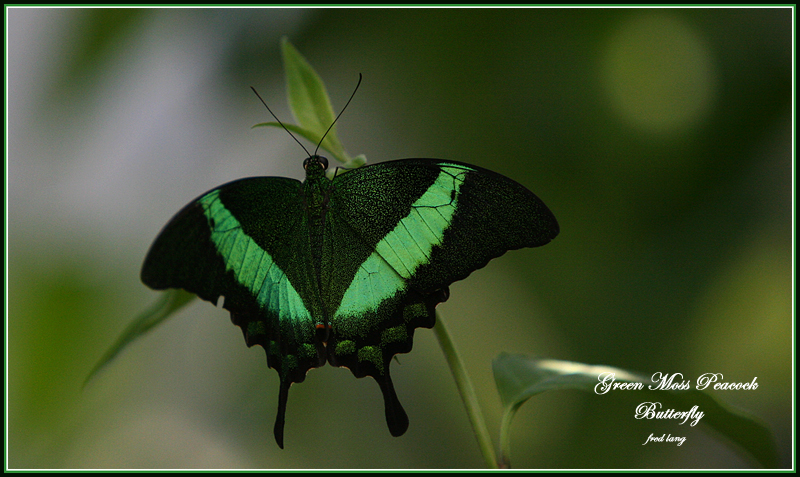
{"type": "Point", "coordinates": [659, 73]}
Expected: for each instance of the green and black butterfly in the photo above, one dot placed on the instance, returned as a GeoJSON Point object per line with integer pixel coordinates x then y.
{"type": "Point", "coordinates": [343, 270]}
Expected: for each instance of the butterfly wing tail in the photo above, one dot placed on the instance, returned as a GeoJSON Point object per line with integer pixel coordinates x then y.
{"type": "Point", "coordinates": [280, 419]}
{"type": "Point", "coordinates": [396, 417]}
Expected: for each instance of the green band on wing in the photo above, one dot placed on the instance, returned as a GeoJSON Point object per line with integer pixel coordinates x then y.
{"type": "Point", "coordinates": [398, 255]}
{"type": "Point", "coordinates": [252, 265]}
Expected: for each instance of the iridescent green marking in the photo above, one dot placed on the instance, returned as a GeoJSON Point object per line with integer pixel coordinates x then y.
{"type": "Point", "coordinates": [394, 335]}
{"type": "Point", "coordinates": [375, 281]}
{"type": "Point", "coordinates": [345, 347]}
{"type": "Point", "coordinates": [372, 354]}
{"type": "Point", "coordinates": [307, 350]}
{"type": "Point", "coordinates": [253, 266]}
{"type": "Point", "coordinates": [408, 246]}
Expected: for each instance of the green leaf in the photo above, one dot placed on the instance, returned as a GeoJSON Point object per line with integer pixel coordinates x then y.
{"type": "Point", "coordinates": [170, 302]}
{"type": "Point", "coordinates": [519, 378]}
{"type": "Point", "coordinates": [309, 100]}
{"type": "Point", "coordinates": [355, 162]}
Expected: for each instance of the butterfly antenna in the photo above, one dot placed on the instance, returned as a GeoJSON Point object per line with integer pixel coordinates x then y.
{"type": "Point", "coordinates": [340, 113]}
{"type": "Point", "coordinates": [282, 125]}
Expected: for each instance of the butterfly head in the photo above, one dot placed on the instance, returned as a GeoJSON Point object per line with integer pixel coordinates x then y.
{"type": "Point", "coordinates": [315, 165]}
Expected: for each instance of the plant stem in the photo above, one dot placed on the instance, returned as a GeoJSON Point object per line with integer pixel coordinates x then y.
{"type": "Point", "coordinates": [467, 392]}
{"type": "Point", "coordinates": [505, 438]}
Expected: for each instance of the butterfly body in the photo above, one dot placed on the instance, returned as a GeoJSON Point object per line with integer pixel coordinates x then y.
{"type": "Point", "coordinates": [343, 270]}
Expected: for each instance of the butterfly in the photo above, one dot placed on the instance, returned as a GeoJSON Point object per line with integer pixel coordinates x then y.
{"type": "Point", "coordinates": [343, 270]}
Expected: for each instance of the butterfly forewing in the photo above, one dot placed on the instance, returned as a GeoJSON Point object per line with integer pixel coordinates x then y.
{"type": "Point", "coordinates": [435, 221]}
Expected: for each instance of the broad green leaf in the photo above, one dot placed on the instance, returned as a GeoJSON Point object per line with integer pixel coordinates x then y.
{"type": "Point", "coordinates": [309, 100]}
{"type": "Point", "coordinates": [519, 378]}
{"type": "Point", "coordinates": [170, 302]}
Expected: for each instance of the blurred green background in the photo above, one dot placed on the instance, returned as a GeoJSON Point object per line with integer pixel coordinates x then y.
{"type": "Point", "coordinates": [660, 138]}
